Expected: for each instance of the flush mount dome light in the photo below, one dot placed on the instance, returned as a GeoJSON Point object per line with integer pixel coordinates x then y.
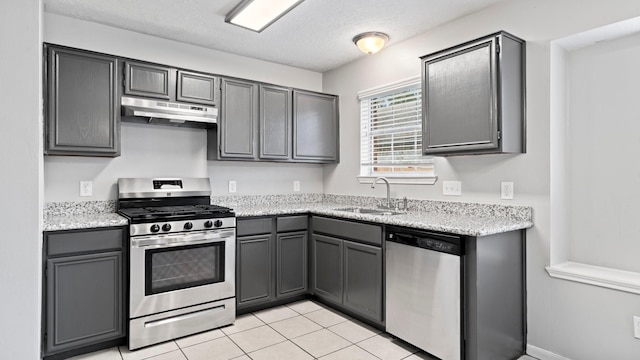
{"type": "Point", "coordinates": [371, 42]}
{"type": "Point", "coordinates": [256, 15]}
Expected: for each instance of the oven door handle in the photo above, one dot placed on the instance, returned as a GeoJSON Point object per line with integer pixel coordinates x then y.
{"type": "Point", "coordinates": [182, 240]}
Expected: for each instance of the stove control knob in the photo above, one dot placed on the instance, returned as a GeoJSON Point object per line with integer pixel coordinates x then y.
{"type": "Point", "coordinates": [166, 227]}
{"type": "Point", "coordinates": [155, 228]}
{"type": "Point", "coordinates": [188, 225]}
{"type": "Point", "coordinates": [217, 223]}
{"type": "Point", "coordinates": [208, 224]}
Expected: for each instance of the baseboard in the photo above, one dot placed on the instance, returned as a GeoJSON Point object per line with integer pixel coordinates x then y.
{"type": "Point", "coordinates": [543, 354]}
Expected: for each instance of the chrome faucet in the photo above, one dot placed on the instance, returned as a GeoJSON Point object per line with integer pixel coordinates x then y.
{"type": "Point", "coordinates": [373, 186]}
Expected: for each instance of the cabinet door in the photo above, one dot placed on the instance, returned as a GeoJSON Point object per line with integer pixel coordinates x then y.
{"type": "Point", "coordinates": [238, 122]}
{"type": "Point", "coordinates": [363, 279]}
{"type": "Point", "coordinates": [275, 122]}
{"type": "Point", "coordinates": [327, 268]}
{"type": "Point", "coordinates": [196, 88]}
{"type": "Point", "coordinates": [82, 115]}
{"type": "Point", "coordinates": [315, 127]}
{"type": "Point", "coordinates": [146, 80]}
{"type": "Point", "coordinates": [84, 300]}
{"type": "Point", "coordinates": [291, 263]}
{"type": "Point", "coordinates": [460, 99]}
{"type": "Point", "coordinates": [254, 270]}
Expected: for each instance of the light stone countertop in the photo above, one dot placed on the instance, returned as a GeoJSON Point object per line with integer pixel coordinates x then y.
{"type": "Point", "coordinates": [83, 221]}
{"type": "Point", "coordinates": [461, 224]}
{"type": "Point", "coordinates": [456, 218]}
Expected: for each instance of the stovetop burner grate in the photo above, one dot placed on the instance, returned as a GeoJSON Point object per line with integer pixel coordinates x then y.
{"type": "Point", "coordinates": [174, 212]}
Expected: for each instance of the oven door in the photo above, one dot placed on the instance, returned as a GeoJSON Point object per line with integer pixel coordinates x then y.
{"type": "Point", "coordinates": [173, 271]}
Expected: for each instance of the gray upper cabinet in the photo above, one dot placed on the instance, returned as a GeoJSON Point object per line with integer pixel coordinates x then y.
{"type": "Point", "coordinates": [275, 122]}
{"type": "Point", "coordinates": [84, 289]}
{"type": "Point", "coordinates": [196, 88]}
{"type": "Point", "coordinates": [473, 97]}
{"type": "Point", "coordinates": [315, 127]}
{"type": "Point", "coordinates": [82, 107]}
{"type": "Point", "coordinates": [142, 79]}
{"type": "Point", "coordinates": [238, 121]}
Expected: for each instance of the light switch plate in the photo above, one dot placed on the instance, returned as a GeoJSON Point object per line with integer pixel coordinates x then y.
{"type": "Point", "coordinates": [232, 186]}
{"type": "Point", "coordinates": [296, 185]}
{"type": "Point", "coordinates": [452, 188]}
{"type": "Point", "coordinates": [506, 192]}
{"type": "Point", "coordinates": [86, 188]}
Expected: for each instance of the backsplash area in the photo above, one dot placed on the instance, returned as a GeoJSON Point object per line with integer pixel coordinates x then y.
{"type": "Point", "coordinates": [70, 208]}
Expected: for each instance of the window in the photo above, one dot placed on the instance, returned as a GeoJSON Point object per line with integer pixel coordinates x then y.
{"type": "Point", "coordinates": [391, 134]}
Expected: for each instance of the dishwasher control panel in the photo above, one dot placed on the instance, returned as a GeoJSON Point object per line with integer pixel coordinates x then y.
{"type": "Point", "coordinates": [444, 243]}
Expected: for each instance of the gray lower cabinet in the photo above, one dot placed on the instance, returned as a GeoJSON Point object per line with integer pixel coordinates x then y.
{"type": "Point", "coordinates": [363, 279]}
{"type": "Point", "coordinates": [328, 268]}
{"type": "Point", "coordinates": [84, 289]}
{"type": "Point", "coordinates": [347, 266]}
{"type": "Point", "coordinates": [474, 97]}
{"type": "Point", "coordinates": [315, 127]}
{"type": "Point", "coordinates": [255, 270]}
{"type": "Point", "coordinates": [271, 259]}
{"type": "Point", "coordinates": [291, 264]}
{"type": "Point", "coordinates": [275, 122]}
{"type": "Point", "coordinates": [82, 114]}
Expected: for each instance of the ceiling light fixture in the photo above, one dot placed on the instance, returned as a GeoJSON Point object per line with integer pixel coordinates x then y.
{"type": "Point", "coordinates": [371, 42]}
{"type": "Point", "coordinates": [256, 15]}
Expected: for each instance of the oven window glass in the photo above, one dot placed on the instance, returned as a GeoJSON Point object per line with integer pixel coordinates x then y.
{"type": "Point", "coordinates": [182, 267]}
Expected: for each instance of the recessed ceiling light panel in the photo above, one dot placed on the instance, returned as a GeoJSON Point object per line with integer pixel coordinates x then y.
{"type": "Point", "coordinates": [256, 15]}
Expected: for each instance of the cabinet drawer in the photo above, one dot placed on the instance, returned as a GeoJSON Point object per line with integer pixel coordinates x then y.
{"type": "Point", "coordinates": [292, 223]}
{"type": "Point", "coordinates": [253, 226]}
{"type": "Point", "coordinates": [370, 234]}
{"type": "Point", "coordinates": [59, 243]}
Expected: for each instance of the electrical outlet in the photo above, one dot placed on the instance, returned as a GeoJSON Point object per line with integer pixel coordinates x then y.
{"type": "Point", "coordinates": [453, 188]}
{"type": "Point", "coordinates": [296, 185]}
{"type": "Point", "coordinates": [636, 327]}
{"type": "Point", "coordinates": [86, 188]}
{"type": "Point", "coordinates": [507, 190]}
{"type": "Point", "coordinates": [232, 186]}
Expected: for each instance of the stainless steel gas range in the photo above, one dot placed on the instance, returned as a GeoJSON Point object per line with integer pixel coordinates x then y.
{"type": "Point", "coordinates": [182, 258]}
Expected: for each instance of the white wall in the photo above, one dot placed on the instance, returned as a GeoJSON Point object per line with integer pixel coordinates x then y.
{"type": "Point", "coordinates": [578, 321]}
{"type": "Point", "coordinates": [21, 163]}
{"type": "Point", "coordinates": [156, 151]}
{"type": "Point", "coordinates": [604, 150]}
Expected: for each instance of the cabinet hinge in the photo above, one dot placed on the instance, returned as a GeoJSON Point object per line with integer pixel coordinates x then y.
{"type": "Point", "coordinates": [498, 48]}
{"type": "Point", "coordinates": [499, 135]}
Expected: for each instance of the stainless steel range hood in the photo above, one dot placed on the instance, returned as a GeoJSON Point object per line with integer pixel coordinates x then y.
{"type": "Point", "coordinates": [168, 113]}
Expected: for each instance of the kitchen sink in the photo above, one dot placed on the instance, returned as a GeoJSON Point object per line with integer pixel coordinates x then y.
{"type": "Point", "coordinates": [369, 211]}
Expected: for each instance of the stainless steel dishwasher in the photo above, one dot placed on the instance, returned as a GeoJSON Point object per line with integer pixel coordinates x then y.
{"type": "Point", "coordinates": [423, 290]}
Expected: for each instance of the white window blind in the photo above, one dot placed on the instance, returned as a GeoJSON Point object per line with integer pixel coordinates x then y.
{"type": "Point", "coordinates": [391, 131]}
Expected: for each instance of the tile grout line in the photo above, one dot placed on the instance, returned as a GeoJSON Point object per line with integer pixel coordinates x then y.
{"type": "Point", "coordinates": [290, 340]}
{"type": "Point", "coordinates": [286, 337]}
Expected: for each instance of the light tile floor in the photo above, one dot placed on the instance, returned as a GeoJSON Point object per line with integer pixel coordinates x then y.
{"type": "Point", "coordinates": [298, 331]}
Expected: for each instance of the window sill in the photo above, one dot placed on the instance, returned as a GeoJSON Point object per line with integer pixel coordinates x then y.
{"type": "Point", "coordinates": [621, 280]}
{"type": "Point", "coordinates": [406, 180]}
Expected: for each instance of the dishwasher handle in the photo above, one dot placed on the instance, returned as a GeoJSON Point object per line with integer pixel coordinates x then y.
{"type": "Point", "coordinates": [436, 242]}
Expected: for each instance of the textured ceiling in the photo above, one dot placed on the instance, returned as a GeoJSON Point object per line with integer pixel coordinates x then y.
{"type": "Point", "coordinates": [316, 35]}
